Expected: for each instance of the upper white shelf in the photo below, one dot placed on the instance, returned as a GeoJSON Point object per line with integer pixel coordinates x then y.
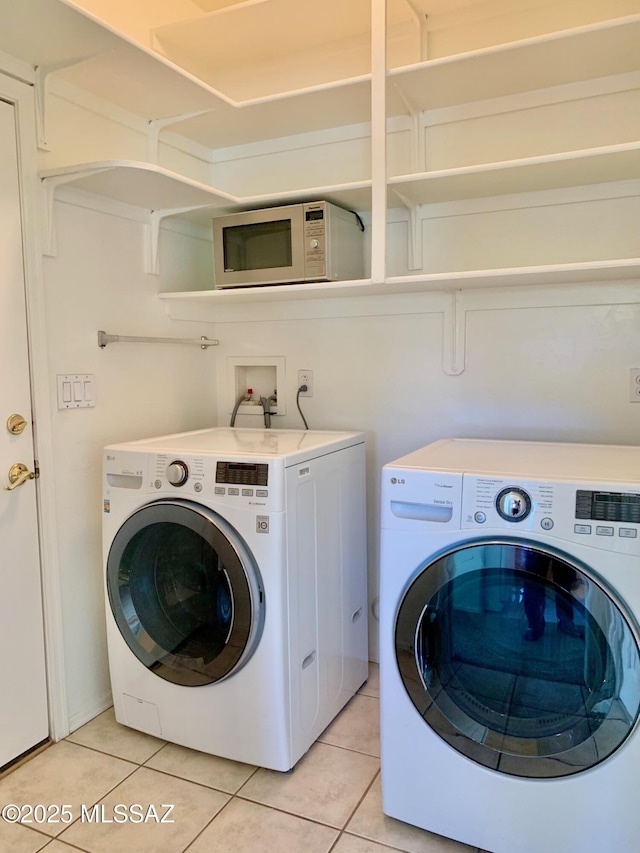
{"type": "Point", "coordinates": [82, 43]}
{"type": "Point", "coordinates": [271, 47]}
{"type": "Point", "coordinates": [85, 50]}
{"type": "Point", "coordinates": [569, 56]}
{"type": "Point", "coordinates": [549, 171]}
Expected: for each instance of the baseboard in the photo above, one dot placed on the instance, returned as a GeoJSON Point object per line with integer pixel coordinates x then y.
{"type": "Point", "coordinates": [88, 713]}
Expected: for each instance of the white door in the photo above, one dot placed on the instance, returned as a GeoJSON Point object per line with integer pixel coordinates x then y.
{"type": "Point", "coordinates": [23, 695]}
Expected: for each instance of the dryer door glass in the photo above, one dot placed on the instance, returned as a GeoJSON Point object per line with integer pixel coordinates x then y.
{"type": "Point", "coordinates": [519, 659]}
{"type": "Point", "coordinates": [185, 592]}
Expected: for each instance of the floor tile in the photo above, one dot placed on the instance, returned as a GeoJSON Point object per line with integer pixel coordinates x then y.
{"type": "Point", "coordinates": [326, 784]}
{"type": "Point", "coordinates": [15, 838]}
{"type": "Point", "coordinates": [371, 687]}
{"type": "Point", "coordinates": [356, 727]}
{"type": "Point", "coordinates": [64, 774]}
{"type": "Point", "coordinates": [194, 807]}
{"type": "Point", "coordinates": [369, 822]}
{"type": "Point", "coordinates": [252, 828]}
{"type": "Point", "coordinates": [106, 735]}
{"type": "Point", "coordinates": [199, 767]}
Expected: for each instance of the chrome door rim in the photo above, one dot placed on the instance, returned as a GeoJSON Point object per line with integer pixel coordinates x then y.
{"type": "Point", "coordinates": [242, 575]}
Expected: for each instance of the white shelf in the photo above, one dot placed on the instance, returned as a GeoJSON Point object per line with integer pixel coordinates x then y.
{"type": "Point", "coordinates": [254, 50]}
{"type": "Point", "coordinates": [61, 37]}
{"type": "Point", "coordinates": [550, 171]}
{"type": "Point", "coordinates": [154, 188]}
{"type": "Point", "coordinates": [583, 53]}
{"type": "Point", "coordinates": [576, 273]}
{"type": "Point", "coordinates": [143, 185]}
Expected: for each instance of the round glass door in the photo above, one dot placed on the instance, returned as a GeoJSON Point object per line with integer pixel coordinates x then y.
{"type": "Point", "coordinates": [185, 592]}
{"type": "Point", "coordinates": [519, 659]}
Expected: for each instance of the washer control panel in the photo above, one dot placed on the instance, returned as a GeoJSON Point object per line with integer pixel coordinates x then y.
{"type": "Point", "coordinates": [238, 483]}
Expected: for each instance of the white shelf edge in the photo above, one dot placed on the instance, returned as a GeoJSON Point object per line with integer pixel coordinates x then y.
{"type": "Point", "coordinates": [570, 273]}
{"type": "Point", "coordinates": [273, 293]}
{"type": "Point", "coordinates": [579, 158]}
{"type": "Point", "coordinates": [79, 172]}
{"type": "Point", "coordinates": [506, 47]}
{"type": "Point", "coordinates": [406, 78]}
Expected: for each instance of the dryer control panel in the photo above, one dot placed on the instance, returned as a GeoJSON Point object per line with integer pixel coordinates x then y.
{"type": "Point", "coordinates": [600, 516]}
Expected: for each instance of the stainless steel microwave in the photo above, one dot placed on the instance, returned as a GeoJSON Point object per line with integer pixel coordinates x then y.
{"type": "Point", "coordinates": [316, 241]}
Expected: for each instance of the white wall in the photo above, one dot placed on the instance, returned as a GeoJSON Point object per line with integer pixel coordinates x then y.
{"type": "Point", "coordinates": [548, 373]}
{"type": "Point", "coordinates": [97, 281]}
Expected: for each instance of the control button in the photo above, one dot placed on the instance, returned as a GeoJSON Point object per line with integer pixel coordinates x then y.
{"type": "Point", "coordinates": [262, 493]}
{"type": "Point", "coordinates": [480, 517]}
{"type": "Point", "coordinates": [220, 490]}
{"type": "Point", "coordinates": [158, 484]}
{"type": "Point", "coordinates": [582, 528]}
{"type": "Point", "coordinates": [604, 531]}
{"type": "Point", "coordinates": [247, 493]}
{"type": "Point", "coordinates": [234, 491]}
{"type": "Point", "coordinates": [546, 524]}
{"type": "Point", "coordinates": [197, 487]}
{"type": "Point", "coordinates": [628, 532]}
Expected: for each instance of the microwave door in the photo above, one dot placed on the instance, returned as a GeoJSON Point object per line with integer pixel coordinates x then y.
{"type": "Point", "coordinates": [260, 249]}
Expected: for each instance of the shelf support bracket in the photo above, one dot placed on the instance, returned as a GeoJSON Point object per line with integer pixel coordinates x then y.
{"type": "Point", "coordinates": [156, 126]}
{"type": "Point", "coordinates": [49, 187]}
{"type": "Point", "coordinates": [454, 320]}
{"type": "Point", "coordinates": [152, 236]}
{"type": "Point", "coordinates": [41, 95]}
{"type": "Point", "coordinates": [421, 21]}
{"type": "Point", "coordinates": [417, 132]}
{"type": "Point", "coordinates": [414, 260]}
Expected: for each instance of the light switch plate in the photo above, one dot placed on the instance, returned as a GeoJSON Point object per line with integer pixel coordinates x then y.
{"type": "Point", "coordinates": [76, 391]}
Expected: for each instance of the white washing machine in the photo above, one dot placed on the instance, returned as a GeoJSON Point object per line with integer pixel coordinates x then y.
{"type": "Point", "coordinates": [510, 668]}
{"type": "Point", "coordinates": [235, 567]}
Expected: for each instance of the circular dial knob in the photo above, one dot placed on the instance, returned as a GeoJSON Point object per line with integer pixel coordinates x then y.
{"type": "Point", "coordinates": [315, 244]}
{"type": "Point", "coordinates": [513, 504]}
{"type": "Point", "coordinates": [177, 473]}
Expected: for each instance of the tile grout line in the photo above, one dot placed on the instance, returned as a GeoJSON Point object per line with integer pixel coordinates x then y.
{"type": "Point", "coordinates": [355, 809]}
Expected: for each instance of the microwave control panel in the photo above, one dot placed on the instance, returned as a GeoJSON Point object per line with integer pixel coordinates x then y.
{"type": "Point", "coordinates": [315, 238]}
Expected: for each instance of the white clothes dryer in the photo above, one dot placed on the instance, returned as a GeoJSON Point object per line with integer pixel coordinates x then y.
{"type": "Point", "coordinates": [510, 663]}
{"type": "Point", "coordinates": [236, 591]}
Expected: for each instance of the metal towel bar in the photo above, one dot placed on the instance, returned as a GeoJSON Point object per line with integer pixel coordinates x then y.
{"type": "Point", "coordinates": [104, 339]}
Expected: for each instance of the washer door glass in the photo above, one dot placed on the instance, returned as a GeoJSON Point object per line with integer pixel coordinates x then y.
{"type": "Point", "coordinates": [185, 592]}
{"type": "Point", "coordinates": [519, 659]}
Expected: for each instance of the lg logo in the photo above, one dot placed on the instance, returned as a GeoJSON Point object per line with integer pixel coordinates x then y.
{"type": "Point", "coordinates": [396, 481]}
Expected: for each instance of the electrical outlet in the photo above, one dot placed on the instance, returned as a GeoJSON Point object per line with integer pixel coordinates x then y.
{"type": "Point", "coordinates": [634, 385]}
{"type": "Point", "coordinates": [305, 377]}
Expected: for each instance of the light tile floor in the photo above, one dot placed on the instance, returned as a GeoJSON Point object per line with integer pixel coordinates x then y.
{"type": "Point", "coordinates": [329, 802]}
